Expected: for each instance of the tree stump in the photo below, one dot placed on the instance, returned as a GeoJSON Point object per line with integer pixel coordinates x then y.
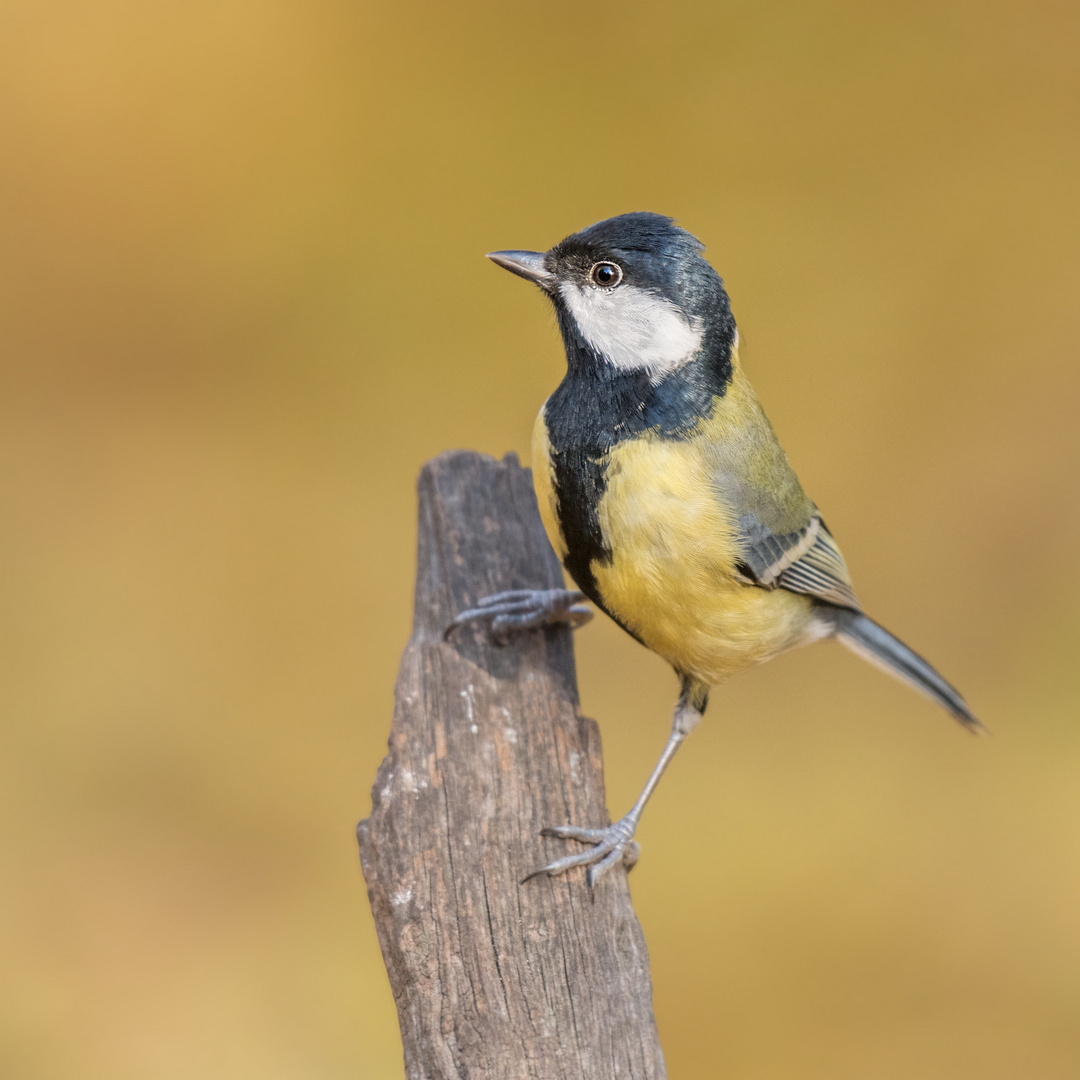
{"type": "Point", "coordinates": [494, 978]}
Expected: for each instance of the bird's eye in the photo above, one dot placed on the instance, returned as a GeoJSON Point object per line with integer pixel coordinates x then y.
{"type": "Point", "coordinates": [606, 274]}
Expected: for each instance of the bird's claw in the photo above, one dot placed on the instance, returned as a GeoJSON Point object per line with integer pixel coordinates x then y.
{"type": "Point", "coordinates": [525, 609]}
{"type": "Point", "coordinates": [610, 846]}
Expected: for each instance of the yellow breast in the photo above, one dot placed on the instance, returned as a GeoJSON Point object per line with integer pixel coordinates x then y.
{"type": "Point", "coordinates": [671, 578]}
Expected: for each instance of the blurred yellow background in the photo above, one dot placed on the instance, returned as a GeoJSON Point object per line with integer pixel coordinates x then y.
{"type": "Point", "coordinates": [243, 300]}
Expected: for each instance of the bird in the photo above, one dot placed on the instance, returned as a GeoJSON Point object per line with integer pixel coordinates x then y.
{"type": "Point", "coordinates": [667, 496]}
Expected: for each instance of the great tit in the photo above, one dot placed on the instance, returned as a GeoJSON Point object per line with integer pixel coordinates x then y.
{"type": "Point", "coordinates": [666, 494]}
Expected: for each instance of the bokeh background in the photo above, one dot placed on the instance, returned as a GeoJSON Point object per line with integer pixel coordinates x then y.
{"type": "Point", "coordinates": [243, 299]}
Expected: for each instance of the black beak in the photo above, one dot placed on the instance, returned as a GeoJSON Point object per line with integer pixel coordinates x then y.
{"type": "Point", "coordinates": [526, 264]}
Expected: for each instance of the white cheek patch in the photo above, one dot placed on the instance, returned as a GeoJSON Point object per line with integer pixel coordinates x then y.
{"type": "Point", "coordinates": [632, 329]}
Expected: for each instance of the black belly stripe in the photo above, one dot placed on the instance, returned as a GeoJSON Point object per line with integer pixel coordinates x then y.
{"type": "Point", "coordinates": [597, 406]}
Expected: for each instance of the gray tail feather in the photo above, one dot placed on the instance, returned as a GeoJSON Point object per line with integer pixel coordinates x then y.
{"type": "Point", "coordinates": [874, 643]}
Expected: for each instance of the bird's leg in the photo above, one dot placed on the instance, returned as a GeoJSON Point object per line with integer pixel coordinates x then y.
{"type": "Point", "coordinates": [525, 609]}
{"type": "Point", "coordinates": [616, 843]}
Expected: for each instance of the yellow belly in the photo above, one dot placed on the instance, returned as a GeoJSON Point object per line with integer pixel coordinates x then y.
{"type": "Point", "coordinates": [672, 575]}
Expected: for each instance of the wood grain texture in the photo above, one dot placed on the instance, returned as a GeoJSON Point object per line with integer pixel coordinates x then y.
{"type": "Point", "coordinates": [493, 978]}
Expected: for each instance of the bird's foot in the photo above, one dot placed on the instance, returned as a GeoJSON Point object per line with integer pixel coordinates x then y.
{"type": "Point", "coordinates": [525, 609]}
{"type": "Point", "coordinates": [610, 846]}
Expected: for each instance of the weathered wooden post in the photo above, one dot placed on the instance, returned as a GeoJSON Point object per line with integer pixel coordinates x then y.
{"type": "Point", "coordinates": [493, 978]}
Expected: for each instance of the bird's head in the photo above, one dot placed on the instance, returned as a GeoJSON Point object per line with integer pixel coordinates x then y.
{"type": "Point", "coordinates": [632, 293]}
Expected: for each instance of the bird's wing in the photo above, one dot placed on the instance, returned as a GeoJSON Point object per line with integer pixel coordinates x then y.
{"type": "Point", "coordinates": [782, 541]}
{"type": "Point", "coordinates": [807, 560]}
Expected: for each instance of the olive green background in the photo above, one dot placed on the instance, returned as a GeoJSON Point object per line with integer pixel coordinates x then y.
{"type": "Point", "coordinates": [243, 298]}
